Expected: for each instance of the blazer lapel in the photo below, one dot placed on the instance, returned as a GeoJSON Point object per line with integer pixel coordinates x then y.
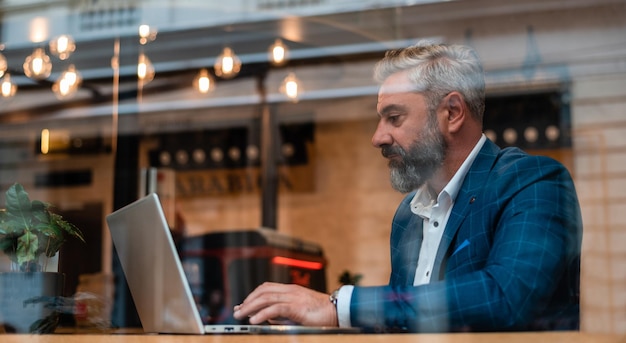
{"type": "Point", "coordinates": [411, 246]}
{"type": "Point", "coordinates": [407, 238]}
{"type": "Point", "coordinates": [468, 194]}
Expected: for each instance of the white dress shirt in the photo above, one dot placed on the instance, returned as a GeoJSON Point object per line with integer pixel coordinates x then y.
{"type": "Point", "coordinates": [435, 213]}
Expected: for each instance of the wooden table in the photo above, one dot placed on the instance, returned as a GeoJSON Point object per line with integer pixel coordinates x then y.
{"type": "Point", "coordinates": [534, 337]}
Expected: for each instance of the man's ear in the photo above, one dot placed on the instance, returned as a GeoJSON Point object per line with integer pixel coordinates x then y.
{"type": "Point", "coordinates": [457, 111]}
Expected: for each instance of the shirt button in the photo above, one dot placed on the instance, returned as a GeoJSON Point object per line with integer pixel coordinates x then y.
{"type": "Point", "coordinates": [427, 272]}
{"type": "Point", "coordinates": [436, 224]}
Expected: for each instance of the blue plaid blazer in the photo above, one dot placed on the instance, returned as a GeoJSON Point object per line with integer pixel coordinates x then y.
{"type": "Point", "coordinates": [509, 258]}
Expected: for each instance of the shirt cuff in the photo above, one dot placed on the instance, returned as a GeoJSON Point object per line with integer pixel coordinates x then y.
{"type": "Point", "coordinates": [343, 306]}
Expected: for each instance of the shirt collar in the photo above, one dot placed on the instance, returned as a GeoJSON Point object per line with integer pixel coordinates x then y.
{"type": "Point", "coordinates": [424, 198]}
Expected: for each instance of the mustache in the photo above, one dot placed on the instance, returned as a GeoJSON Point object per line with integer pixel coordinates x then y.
{"type": "Point", "coordinates": [388, 150]}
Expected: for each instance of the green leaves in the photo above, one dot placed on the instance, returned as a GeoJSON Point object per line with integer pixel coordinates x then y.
{"type": "Point", "coordinates": [18, 205]}
{"type": "Point", "coordinates": [58, 222]}
{"type": "Point", "coordinates": [29, 229]}
{"type": "Point", "coordinates": [27, 245]}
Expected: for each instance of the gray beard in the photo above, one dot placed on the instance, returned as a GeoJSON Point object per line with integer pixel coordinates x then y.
{"type": "Point", "coordinates": [419, 164]}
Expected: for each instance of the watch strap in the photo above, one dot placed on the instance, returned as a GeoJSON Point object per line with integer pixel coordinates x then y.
{"type": "Point", "coordinates": [333, 297]}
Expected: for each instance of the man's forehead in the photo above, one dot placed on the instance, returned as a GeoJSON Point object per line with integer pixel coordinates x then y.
{"type": "Point", "coordinates": [396, 83]}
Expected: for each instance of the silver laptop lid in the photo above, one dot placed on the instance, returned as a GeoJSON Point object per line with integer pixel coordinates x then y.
{"type": "Point", "coordinates": [153, 269]}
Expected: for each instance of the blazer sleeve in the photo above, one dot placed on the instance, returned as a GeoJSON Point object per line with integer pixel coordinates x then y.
{"type": "Point", "coordinates": [524, 232]}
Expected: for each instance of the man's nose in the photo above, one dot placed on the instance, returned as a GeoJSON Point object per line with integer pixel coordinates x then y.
{"type": "Point", "coordinates": [381, 137]}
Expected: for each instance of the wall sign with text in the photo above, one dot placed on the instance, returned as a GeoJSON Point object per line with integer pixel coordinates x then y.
{"type": "Point", "coordinates": [227, 161]}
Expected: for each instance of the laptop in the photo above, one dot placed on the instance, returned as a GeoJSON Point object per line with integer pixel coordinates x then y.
{"type": "Point", "coordinates": [158, 283]}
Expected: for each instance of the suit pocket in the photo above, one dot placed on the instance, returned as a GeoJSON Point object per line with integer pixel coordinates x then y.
{"type": "Point", "coordinates": [464, 259]}
{"type": "Point", "coordinates": [464, 245]}
{"type": "Point", "coordinates": [460, 254]}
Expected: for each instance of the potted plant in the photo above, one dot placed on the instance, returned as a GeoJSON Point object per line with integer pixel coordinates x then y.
{"type": "Point", "coordinates": [31, 234]}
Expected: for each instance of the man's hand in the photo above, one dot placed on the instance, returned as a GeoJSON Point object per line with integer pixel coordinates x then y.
{"type": "Point", "coordinates": [275, 303]}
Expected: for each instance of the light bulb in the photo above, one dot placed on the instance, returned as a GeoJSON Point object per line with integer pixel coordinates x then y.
{"type": "Point", "coordinates": [7, 87]}
{"type": "Point", "coordinates": [278, 53]}
{"type": "Point", "coordinates": [290, 87]}
{"type": "Point", "coordinates": [45, 141]}
{"type": "Point", "coordinates": [145, 69]}
{"type": "Point", "coordinates": [203, 82]}
{"type": "Point", "coordinates": [227, 65]}
{"type": "Point", "coordinates": [68, 83]}
{"type": "Point", "coordinates": [62, 46]}
{"type": "Point", "coordinates": [144, 31]}
{"type": "Point", "coordinates": [37, 65]}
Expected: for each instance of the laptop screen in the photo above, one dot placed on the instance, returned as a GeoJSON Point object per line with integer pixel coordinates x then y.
{"type": "Point", "coordinates": [152, 268]}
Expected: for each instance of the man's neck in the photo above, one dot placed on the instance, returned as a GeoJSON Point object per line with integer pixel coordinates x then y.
{"type": "Point", "coordinates": [454, 159]}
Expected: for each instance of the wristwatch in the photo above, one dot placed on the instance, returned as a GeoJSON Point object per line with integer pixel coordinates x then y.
{"type": "Point", "coordinates": [333, 297]}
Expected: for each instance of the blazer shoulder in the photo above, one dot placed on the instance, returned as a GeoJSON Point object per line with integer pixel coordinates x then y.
{"type": "Point", "coordinates": [515, 159]}
{"type": "Point", "coordinates": [512, 167]}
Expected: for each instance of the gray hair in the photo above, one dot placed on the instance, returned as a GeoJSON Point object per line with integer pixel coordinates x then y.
{"type": "Point", "coordinates": [438, 69]}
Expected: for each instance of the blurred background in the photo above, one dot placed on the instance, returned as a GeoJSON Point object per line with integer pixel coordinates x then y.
{"type": "Point", "coordinates": [247, 114]}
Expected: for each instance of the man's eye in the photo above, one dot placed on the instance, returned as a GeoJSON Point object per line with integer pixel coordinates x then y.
{"type": "Point", "coordinates": [393, 119]}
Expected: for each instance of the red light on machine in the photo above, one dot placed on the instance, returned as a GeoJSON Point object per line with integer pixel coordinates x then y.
{"type": "Point", "coordinates": [292, 262]}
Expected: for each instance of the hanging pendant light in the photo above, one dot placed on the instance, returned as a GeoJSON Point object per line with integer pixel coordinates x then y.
{"type": "Point", "coordinates": [37, 65]}
{"type": "Point", "coordinates": [203, 82]}
{"type": "Point", "coordinates": [227, 65]}
{"type": "Point", "coordinates": [146, 34]}
{"type": "Point", "coordinates": [7, 88]}
{"type": "Point", "coordinates": [278, 53]}
{"type": "Point", "coordinates": [62, 46]}
{"type": "Point", "coordinates": [68, 83]}
{"type": "Point", "coordinates": [291, 87]}
{"type": "Point", "coordinates": [145, 69]}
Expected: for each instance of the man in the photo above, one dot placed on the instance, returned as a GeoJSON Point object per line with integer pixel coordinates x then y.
{"type": "Point", "coordinates": [486, 239]}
